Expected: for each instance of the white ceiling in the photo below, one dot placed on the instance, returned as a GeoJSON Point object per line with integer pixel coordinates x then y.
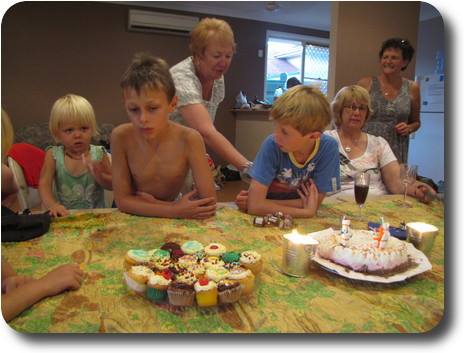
{"type": "Point", "coordinates": [307, 14]}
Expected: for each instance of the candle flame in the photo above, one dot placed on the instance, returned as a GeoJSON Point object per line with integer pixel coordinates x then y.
{"type": "Point", "coordinates": [298, 238]}
{"type": "Point", "coordinates": [422, 227]}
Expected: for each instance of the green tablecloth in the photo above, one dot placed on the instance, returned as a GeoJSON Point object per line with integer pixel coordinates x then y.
{"type": "Point", "coordinates": [322, 302]}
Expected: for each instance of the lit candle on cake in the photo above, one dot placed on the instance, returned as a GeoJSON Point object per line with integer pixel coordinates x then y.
{"type": "Point", "coordinates": [298, 251]}
{"type": "Point", "coordinates": [422, 236]}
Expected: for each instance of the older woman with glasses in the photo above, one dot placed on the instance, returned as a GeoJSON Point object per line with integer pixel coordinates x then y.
{"type": "Point", "coordinates": [395, 100]}
{"type": "Point", "coordinates": [362, 152]}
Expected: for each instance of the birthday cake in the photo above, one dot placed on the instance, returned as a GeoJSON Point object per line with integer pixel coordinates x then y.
{"type": "Point", "coordinates": [373, 252]}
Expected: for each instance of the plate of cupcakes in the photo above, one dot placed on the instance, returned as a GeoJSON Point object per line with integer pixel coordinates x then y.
{"type": "Point", "coordinates": [191, 274]}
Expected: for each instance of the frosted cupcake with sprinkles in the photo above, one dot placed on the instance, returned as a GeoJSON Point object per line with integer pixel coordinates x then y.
{"type": "Point", "coordinates": [252, 261]}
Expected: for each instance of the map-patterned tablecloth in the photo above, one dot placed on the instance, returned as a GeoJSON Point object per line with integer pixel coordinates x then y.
{"type": "Point", "coordinates": [322, 302]}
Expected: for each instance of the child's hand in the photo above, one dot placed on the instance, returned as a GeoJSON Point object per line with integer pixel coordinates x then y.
{"type": "Point", "coordinates": [62, 278]}
{"type": "Point", "coordinates": [197, 209]}
{"type": "Point", "coordinates": [58, 210]}
{"type": "Point", "coordinates": [11, 283]}
{"type": "Point", "coordinates": [309, 195]}
{"type": "Point", "coordinates": [241, 200]}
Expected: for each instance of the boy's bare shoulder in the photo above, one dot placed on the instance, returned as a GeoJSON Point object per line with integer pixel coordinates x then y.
{"type": "Point", "coordinates": [122, 130]}
{"type": "Point", "coordinates": [186, 132]}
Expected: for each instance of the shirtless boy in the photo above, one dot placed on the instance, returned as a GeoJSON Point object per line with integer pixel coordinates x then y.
{"type": "Point", "coordinates": [152, 155]}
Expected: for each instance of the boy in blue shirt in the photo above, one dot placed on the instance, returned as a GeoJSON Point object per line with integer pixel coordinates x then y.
{"type": "Point", "coordinates": [297, 165]}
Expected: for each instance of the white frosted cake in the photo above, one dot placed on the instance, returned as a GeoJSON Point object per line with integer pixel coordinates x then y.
{"type": "Point", "coordinates": [361, 253]}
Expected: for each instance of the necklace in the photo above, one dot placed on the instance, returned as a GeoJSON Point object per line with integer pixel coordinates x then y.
{"type": "Point", "coordinates": [76, 158]}
{"type": "Point", "coordinates": [388, 88]}
{"type": "Point", "coordinates": [347, 148]}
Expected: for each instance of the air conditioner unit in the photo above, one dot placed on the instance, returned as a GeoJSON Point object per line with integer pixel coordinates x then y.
{"type": "Point", "coordinates": [148, 21]}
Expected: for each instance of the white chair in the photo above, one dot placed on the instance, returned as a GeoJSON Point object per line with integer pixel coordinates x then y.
{"type": "Point", "coordinates": [28, 197]}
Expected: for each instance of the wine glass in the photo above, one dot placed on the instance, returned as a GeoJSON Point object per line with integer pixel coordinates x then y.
{"type": "Point", "coordinates": [361, 189]}
{"type": "Point", "coordinates": [408, 174]}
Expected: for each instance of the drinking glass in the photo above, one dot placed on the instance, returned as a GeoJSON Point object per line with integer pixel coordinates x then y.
{"type": "Point", "coordinates": [361, 189]}
{"type": "Point", "coordinates": [408, 174]}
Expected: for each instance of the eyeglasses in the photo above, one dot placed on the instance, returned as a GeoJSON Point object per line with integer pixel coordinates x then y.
{"type": "Point", "coordinates": [352, 108]}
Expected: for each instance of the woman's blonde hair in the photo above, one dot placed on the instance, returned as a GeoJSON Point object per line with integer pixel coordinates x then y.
{"type": "Point", "coordinates": [305, 108]}
{"type": "Point", "coordinates": [348, 95]}
{"type": "Point", "coordinates": [72, 109]}
{"type": "Point", "coordinates": [7, 135]}
{"type": "Point", "coordinates": [207, 30]}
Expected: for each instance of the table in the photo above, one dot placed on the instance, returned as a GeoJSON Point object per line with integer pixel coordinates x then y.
{"type": "Point", "coordinates": [323, 302]}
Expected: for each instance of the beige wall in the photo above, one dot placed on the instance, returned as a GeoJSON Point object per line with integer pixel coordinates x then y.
{"type": "Point", "coordinates": [50, 49]}
{"type": "Point", "coordinates": [357, 32]}
{"type": "Point", "coordinates": [53, 48]}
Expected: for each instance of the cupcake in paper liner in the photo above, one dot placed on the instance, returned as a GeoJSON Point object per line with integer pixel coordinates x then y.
{"type": "Point", "coordinates": [215, 249]}
{"type": "Point", "coordinates": [210, 261]}
{"type": "Point", "coordinates": [140, 274]}
{"type": "Point", "coordinates": [245, 277]}
{"type": "Point", "coordinates": [157, 287]}
{"type": "Point", "coordinates": [157, 254]}
{"type": "Point", "coordinates": [231, 257]}
{"type": "Point", "coordinates": [206, 292]}
{"type": "Point", "coordinates": [192, 247]}
{"type": "Point", "coordinates": [252, 261]}
{"type": "Point", "coordinates": [135, 257]}
{"type": "Point", "coordinates": [229, 291]}
{"type": "Point", "coordinates": [187, 260]}
{"type": "Point", "coordinates": [217, 273]}
{"type": "Point", "coordinates": [181, 291]}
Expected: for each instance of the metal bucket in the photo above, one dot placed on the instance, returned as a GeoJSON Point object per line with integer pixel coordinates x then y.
{"type": "Point", "coordinates": [297, 257]}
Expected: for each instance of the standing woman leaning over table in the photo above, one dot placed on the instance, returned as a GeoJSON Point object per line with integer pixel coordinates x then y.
{"type": "Point", "coordinates": [395, 100]}
{"type": "Point", "coordinates": [199, 81]}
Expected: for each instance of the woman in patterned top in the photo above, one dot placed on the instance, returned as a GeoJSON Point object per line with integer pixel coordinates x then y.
{"type": "Point", "coordinates": [199, 81]}
{"type": "Point", "coordinates": [395, 100]}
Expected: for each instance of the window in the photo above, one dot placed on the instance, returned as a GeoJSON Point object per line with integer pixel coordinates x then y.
{"type": "Point", "coordinates": [288, 55]}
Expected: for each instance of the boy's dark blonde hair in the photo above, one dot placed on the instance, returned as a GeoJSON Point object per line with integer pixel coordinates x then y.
{"type": "Point", "coordinates": [347, 95]}
{"type": "Point", "coordinates": [72, 109]}
{"type": "Point", "coordinates": [305, 108]}
{"type": "Point", "coordinates": [207, 30]}
{"type": "Point", "coordinates": [147, 71]}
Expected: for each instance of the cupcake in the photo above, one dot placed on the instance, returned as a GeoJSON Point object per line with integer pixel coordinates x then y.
{"type": "Point", "coordinates": [181, 291]}
{"type": "Point", "coordinates": [207, 292]}
{"type": "Point", "coordinates": [197, 269]}
{"type": "Point", "coordinates": [244, 276]}
{"type": "Point", "coordinates": [192, 247]}
{"type": "Point", "coordinates": [252, 261]}
{"type": "Point", "coordinates": [135, 257]}
{"type": "Point", "coordinates": [217, 273]}
{"type": "Point", "coordinates": [159, 254]}
{"type": "Point", "coordinates": [209, 261]}
{"type": "Point", "coordinates": [215, 249]}
{"type": "Point", "coordinates": [171, 247]}
{"type": "Point", "coordinates": [176, 254]}
{"type": "Point", "coordinates": [229, 291]}
{"type": "Point", "coordinates": [230, 257]}
{"type": "Point", "coordinates": [161, 264]}
{"type": "Point", "coordinates": [157, 287]}
{"type": "Point", "coordinates": [187, 260]}
{"type": "Point", "coordinates": [136, 278]}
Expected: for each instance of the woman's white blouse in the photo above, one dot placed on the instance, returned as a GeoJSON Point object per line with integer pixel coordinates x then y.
{"type": "Point", "coordinates": [377, 155]}
{"type": "Point", "coordinates": [189, 91]}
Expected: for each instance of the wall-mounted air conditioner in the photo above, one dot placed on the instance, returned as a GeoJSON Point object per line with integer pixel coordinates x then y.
{"type": "Point", "coordinates": [148, 21]}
